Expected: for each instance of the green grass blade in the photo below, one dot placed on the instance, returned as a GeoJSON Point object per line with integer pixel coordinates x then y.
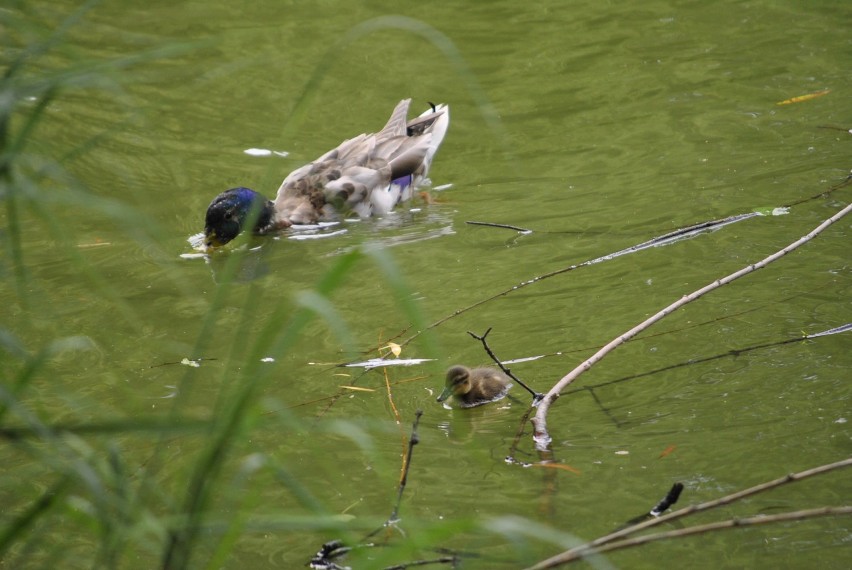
{"type": "Point", "coordinates": [23, 522]}
{"type": "Point", "coordinates": [273, 340]}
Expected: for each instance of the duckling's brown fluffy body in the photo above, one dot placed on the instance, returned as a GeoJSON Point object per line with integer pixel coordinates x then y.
{"type": "Point", "coordinates": [471, 387]}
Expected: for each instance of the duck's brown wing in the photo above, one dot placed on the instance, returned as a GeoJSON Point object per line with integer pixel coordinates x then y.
{"type": "Point", "coordinates": [348, 174]}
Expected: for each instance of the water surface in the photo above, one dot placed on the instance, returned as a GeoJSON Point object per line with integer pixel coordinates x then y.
{"type": "Point", "coordinates": [612, 124]}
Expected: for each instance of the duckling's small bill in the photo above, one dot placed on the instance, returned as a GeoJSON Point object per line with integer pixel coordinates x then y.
{"type": "Point", "coordinates": [448, 391]}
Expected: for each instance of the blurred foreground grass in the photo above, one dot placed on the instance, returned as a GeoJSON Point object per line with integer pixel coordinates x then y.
{"type": "Point", "coordinates": [99, 491]}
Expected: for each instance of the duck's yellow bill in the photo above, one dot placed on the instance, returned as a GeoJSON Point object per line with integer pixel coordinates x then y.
{"type": "Point", "coordinates": [212, 240]}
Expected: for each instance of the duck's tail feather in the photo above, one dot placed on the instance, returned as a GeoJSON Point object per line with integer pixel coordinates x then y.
{"type": "Point", "coordinates": [396, 124]}
{"type": "Point", "coordinates": [439, 122]}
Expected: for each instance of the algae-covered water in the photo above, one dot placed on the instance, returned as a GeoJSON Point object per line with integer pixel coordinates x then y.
{"type": "Point", "coordinates": [595, 126]}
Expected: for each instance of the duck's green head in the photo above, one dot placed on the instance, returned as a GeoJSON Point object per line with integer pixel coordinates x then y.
{"type": "Point", "coordinates": [228, 213]}
{"type": "Point", "coordinates": [458, 383]}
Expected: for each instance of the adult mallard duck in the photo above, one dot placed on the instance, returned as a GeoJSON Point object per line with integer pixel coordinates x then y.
{"type": "Point", "coordinates": [474, 387]}
{"type": "Point", "coordinates": [367, 175]}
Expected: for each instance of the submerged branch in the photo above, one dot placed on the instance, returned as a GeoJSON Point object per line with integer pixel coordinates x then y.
{"type": "Point", "coordinates": [542, 438]}
{"type": "Point", "coordinates": [734, 352]}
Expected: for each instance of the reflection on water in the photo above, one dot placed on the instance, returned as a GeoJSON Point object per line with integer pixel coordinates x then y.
{"type": "Point", "coordinates": [411, 227]}
{"type": "Point", "coordinates": [466, 424]}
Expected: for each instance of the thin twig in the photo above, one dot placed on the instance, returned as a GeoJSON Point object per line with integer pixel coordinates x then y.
{"type": "Point", "coordinates": [441, 560]}
{"type": "Point", "coordinates": [734, 352]}
{"type": "Point", "coordinates": [664, 239]}
{"type": "Point", "coordinates": [681, 233]}
{"type": "Point", "coordinates": [324, 558]}
{"type": "Point", "coordinates": [537, 396]}
{"type": "Point", "coordinates": [505, 226]}
{"type": "Point", "coordinates": [835, 128]}
{"type": "Point", "coordinates": [845, 182]}
{"type": "Point", "coordinates": [542, 438]}
{"type": "Point", "coordinates": [594, 546]}
{"type": "Point", "coordinates": [397, 419]}
{"type": "Point", "coordinates": [412, 441]}
{"type": "Point", "coordinates": [390, 397]}
{"type": "Point", "coordinates": [513, 447]}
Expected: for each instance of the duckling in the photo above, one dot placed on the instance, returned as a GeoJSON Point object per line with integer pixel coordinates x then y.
{"type": "Point", "coordinates": [368, 175]}
{"type": "Point", "coordinates": [474, 387]}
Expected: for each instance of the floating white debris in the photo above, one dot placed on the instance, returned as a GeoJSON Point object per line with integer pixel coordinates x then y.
{"type": "Point", "coordinates": [267, 359]}
{"type": "Point", "coordinates": [258, 152]}
{"type": "Point", "coordinates": [378, 362]}
{"type": "Point", "coordinates": [316, 235]}
{"type": "Point", "coordinates": [265, 152]}
{"type": "Point", "coordinates": [188, 362]}
{"type": "Point", "coordinates": [622, 452]}
{"type": "Point", "coordinates": [525, 359]}
{"type": "Point", "coordinates": [312, 227]}
{"type": "Point", "coordinates": [769, 211]}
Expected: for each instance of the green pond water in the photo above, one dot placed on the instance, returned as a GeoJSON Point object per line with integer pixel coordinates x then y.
{"type": "Point", "coordinates": [596, 125]}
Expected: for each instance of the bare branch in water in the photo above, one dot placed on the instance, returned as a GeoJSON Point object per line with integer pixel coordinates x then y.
{"type": "Point", "coordinates": [701, 529]}
{"type": "Point", "coordinates": [614, 540]}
